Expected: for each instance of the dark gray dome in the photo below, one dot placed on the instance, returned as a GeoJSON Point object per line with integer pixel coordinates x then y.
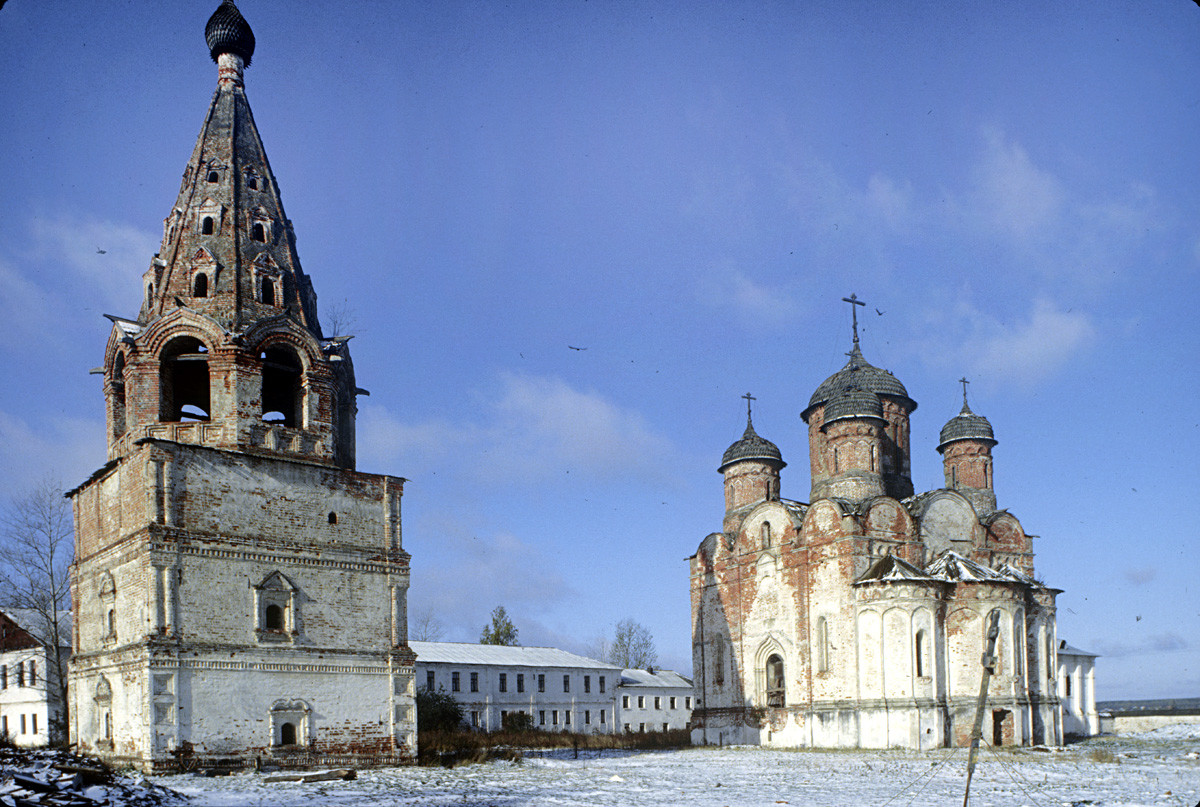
{"type": "Point", "coordinates": [853, 402]}
{"type": "Point", "coordinates": [228, 32]}
{"type": "Point", "coordinates": [858, 371]}
{"type": "Point", "coordinates": [751, 447]}
{"type": "Point", "coordinates": [966, 425]}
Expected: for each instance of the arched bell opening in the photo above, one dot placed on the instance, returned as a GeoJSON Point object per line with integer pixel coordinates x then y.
{"type": "Point", "coordinates": [184, 393]}
{"type": "Point", "coordinates": [118, 396]}
{"type": "Point", "coordinates": [282, 387]}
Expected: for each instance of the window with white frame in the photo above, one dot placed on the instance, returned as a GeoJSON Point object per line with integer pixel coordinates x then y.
{"type": "Point", "coordinates": [275, 605]}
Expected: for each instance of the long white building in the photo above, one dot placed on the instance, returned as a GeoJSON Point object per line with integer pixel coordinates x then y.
{"type": "Point", "coordinates": [559, 690]}
{"type": "Point", "coordinates": [654, 700]}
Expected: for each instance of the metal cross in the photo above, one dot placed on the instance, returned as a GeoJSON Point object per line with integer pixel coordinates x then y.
{"type": "Point", "coordinates": [854, 303]}
{"type": "Point", "coordinates": [964, 382]}
{"type": "Point", "coordinates": [748, 398]}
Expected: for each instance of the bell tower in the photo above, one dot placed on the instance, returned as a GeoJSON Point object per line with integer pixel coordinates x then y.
{"type": "Point", "coordinates": [229, 544]}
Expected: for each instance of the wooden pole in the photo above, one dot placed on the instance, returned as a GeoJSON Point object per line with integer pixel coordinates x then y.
{"type": "Point", "coordinates": [989, 664]}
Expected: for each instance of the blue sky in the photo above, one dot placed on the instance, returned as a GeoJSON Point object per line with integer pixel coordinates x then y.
{"type": "Point", "coordinates": [686, 190]}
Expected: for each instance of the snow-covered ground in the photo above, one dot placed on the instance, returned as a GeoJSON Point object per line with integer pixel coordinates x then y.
{"type": "Point", "coordinates": [1155, 769]}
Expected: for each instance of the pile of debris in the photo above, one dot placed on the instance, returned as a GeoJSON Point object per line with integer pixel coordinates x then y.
{"type": "Point", "coordinates": [46, 778]}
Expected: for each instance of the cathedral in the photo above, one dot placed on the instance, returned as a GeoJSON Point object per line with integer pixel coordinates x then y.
{"type": "Point", "coordinates": [239, 588]}
{"type": "Point", "coordinates": [859, 619]}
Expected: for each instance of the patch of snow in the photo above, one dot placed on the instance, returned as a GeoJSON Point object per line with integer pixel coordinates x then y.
{"type": "Point", "coordinates": [716, 777]}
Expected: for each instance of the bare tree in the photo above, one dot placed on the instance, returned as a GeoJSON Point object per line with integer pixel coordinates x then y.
{"type": "Point", "coordinates": [340, 319]}
{"type": "Point", "coordinates": [598, 647]}
{"type": "Point", "coordinates": [426, 627]}
{"type": "Point", "coordinates": [36, 549]}
{"type": "Point", "coordinates": [632, 646]}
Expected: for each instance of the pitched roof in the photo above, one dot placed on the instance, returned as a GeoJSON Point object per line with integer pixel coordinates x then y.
{"type": "Point", "coordinates": [1065, 649]}
{"type": "Point", "coordinates": [953, 566]}
{"type": "Point", "coordinates": [658, 678]}
{"type": "Point", "coordinates": [34, 624]}
{"type": "Point", "coordinates": [502, 655]}
{"type": "Point", "coordinates": [890, 567]}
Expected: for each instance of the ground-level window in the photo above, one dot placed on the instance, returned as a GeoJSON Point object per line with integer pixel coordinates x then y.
{"type": "Point", "coordinates": [601, 715]}
{"type": "Point", "coordinates": [287, 734]}
{"type": "Point", "coordinates": [475, 719]}
{"type": "Point", "coordinates": [587, 717]}
{"type": "Point", "coordinates": [665, 728]}
{"type": "Point", "coordinates": [775, 681]}
{"type": "Point", "coordinates": [542, 717]}
{"type": "Point", "coordinates": [566, 718]}
{"type": "Point", "coordinates": [554, 717]}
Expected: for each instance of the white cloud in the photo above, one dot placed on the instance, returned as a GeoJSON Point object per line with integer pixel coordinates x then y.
{"type": "Point", "coordinates": [1013, 195]}
{"type": "Point", "coordinates": [747, 300]}
{"type": "Point", "coordinates": [75, 247]}
{"type": "Point", "coordinates": [1022, 351]}
{"type": "Point", "coordinates": [529, 428]}
{"type": "Point", "coordinates": [893, 203]}
{"type": "Point", "coordinates": [66, 449]}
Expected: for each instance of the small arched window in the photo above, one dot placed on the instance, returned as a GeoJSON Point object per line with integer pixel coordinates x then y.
{"type": "Point", "coordinates": [118, 392]}
{"type": "Point", "coordinates": [206, 225]}
{"type": "Point", "coordinates": [273, 617]}
{"type": "Point", "coordinates": [213, 176]}
{"type": "Point", "coordinates": [719, 660]}
{"type": "Point", "coordinates": [921, 649]}
{"type": "Point", "coordinates": [332, 517]}
{"type": "Point", "coordinates": [258, 232]}
{"type": "Point", "coordinates": [766, 534]}
{"type": "Point", "coordinates": [776, 689]}
{"type": "Point", "coordinates": [200, 285]}
{"type": "Point", "coordinates": [184, 393]}
{"type": "Point", "coordinates": [287, 734]}
{"type": "Point", "coordinates": [267, 291]}
{"type": "Point", "coordinates": [149, 293]}
{"type": "Point", "coordinates": [112, 622]}
{"type": "Point", "coordinates": [252, 182]}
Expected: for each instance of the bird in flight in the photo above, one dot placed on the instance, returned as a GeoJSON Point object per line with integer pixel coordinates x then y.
{"type": "Point", "coordinates": [576, 348]}
{"type": "Point", "coordinates": [101, 251]}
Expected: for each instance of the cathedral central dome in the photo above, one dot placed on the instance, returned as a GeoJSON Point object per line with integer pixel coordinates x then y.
{"type": "Point", "coordinates": [861, 374]}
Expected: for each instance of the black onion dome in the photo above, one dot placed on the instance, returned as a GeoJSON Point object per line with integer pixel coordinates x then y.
{"type": "Point", "coordinates": [966, 425]}
{"type": "Point", "coordinates": [853, 402]}
{"type": "Point", "coordinates": [228, 32]}
{"type": "Point", "coordinates": [751, 447]}
{"type": "Point", "coordinates": [859, 372]}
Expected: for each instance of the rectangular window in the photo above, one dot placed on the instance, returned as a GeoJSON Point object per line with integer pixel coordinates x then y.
{"type": "Point", "coordinates": [541, 682]}
{"type": "Point", "coordinates": [474, 682]}
{"type": "Point", "coordinates": [454, 682]}
{"type": "Point", "coordinates": [4, 725]}
{"type": "Point", "coordinates": [20, 673]}
{"type": "Point", "coordinates": [641, 701]}
{"type": "Point", "coordinates": [4, 677]}
{"type": "Point", "coordinates": [429, 680]}
{"type": "Point", "coordinates": [475, 719]}
{"type": "Point", "coordinates": [503, 716]}
{"type": "Point", "coordinates": [587, 717]}
{"type": "Point", "coordinates": [34, 718]}
{"type": "Point", "coordinates": [642, 728]}
{"type": "Point", "coordinates": [627, 728]}
{"type": "Point", "coordinates": [554, 717]}
{"type": "Point", "coordinates": [504, 682]}
{"type": "Point", "coordinates": [32, 675]}
{"type": "Point", "coordinates": [602, 683]}
{"type": "Point", "coordinates": [687, 703]}
{"type": "Point", "coordinates": [542, 717]}
{"type": "Point", "coordinates": [22, 724]}
{"type": "Point", "coordinates": [658, 703]}
{"type": "Point", "coordinates": [672, 701]}
{"type": "Point", "coordinates": [665, 727]}
{"type": "Point", "coordinates": [602, 716]}
{"type": "Point", "coordinates": [624, 701]}
{"type": "Point", "coordinates": [587, 684]}
{"type": "Point", "coordinates": [566, 683]}
{"type": "Point", "coordinates": [520, 682]}
{"type": "Point", "coordinates": [566, 718]}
